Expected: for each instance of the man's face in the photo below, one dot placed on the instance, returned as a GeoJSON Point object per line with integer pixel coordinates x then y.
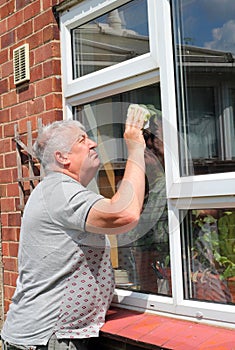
{"type": "Point", "coordinates": [84, 160]}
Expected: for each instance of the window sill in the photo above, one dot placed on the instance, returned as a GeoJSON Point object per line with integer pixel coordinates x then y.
{"type": "Point", "coordinates": [157, 331]}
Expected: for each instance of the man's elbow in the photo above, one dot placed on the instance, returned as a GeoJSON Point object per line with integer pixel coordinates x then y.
{"type": "Point", "coordinates": [129, 220]}
{"type": "Point", "coordinates": [112, 221]}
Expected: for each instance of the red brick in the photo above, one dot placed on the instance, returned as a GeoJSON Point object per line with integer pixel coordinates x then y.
{"type": "Point", "coordinates": [47, 86]}
{"type": "Point", "coordinates": [36, 73]}
{"type": "Point", "coordinates": [7, 278]}
{"type": "Point", "coordinates": [4, 55]}
{"type": "Point", "coordinates": [6, 176]}
{"type": "Point", "coordinates": [2, 161]}
{"type": "Point", "coordinates": [35, 40]}
{"type": "Point", "coordinates": [5, 248]}
{"type": "Point", "coordinates": [17, 233]}
{"type": "Point", "coordinates": [51, 116]}
{"type": "Point", "coordinates": [5, 145]}
{"type": "Point", "coordinates": [14, 174]}
{"type": "Point", "coordinates": [10, 278]}
{"type": "Point", "coordinates": [4, 28]}
{"type": "Point", "coordinates": [52, 67]}
{"type": "Point", "coordinates": [49, 3]}
{"type": "Point", "coordinates": [53, 101]}
{"type": "Point", "coordinates": [19, 111]}
{"type": "Point", "coordinates": [10, 160]}
{"type": "Point", "coordinates": [50, 33]}
{"type": "Point", "coordinates": [9, 99]}
{"type": "Point", "coordinates": [4, 116]}
{"type": "Point", "coordinates": [7, 69]}
{"type": "Point", "coordinates": [26, 92]}
{"type": "Point", "coordinates": [32, 10]}
{"type": "Point", "coordinates": [56, 49]}
{"type": "Point", "coordinates": [3, 190]}
{"type": "Point", "coordinates": [7, 9]}
{"type": "Point", "coordinates": [57, 84]}
{"type": "Point", "coordinates": [10, 264]}
{"type": "Point", "coordinates": [8, 39]}
{"type": "Point", "coordinates": [3, 87]}
{"type": "Point", "coordinates": [14, 20]}
{"type": "Point", "coordinates": [13, 249]}
{"type": "Point", "coordinates": [35, 106]}
{"type": "Point", "coordinates": [4, 219]}
{"type": "Point", "coordinates": [22, 3]}
{"type": "Point", "coordinates": [14, 219]}
{"type": "Point", "coordinates": [7, 204]}
{"type": "Point", "coordinates": [24, 30]}
{"type": "Point", "coordinates": [11, 83]}
{"type": "Point", "coordinates": [45, 18]}
{"type": "Point", "coordinates": [45, 52]}
{"type": "Point", "coordinates": [8, 130]}
{"type": "Point", "coordinates": [12, 190]}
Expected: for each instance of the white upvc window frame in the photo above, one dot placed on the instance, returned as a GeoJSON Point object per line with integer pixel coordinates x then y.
{"type": "Point", "coordinates": [182, 192]}
{"type": "Point", "coordinates": [189, 192]}
{"type": "Point", "coordinates": [87, 11]}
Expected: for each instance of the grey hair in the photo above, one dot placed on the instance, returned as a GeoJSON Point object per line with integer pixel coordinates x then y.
{"type": "Point", "coordinates": [57, 136]}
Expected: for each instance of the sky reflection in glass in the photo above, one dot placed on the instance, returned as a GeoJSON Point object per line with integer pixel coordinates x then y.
{"type": "Point", "coordinates": [209, 24]}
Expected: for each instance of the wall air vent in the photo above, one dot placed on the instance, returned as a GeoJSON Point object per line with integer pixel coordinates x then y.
{"type": "Point", "coordinates": [21, 64]}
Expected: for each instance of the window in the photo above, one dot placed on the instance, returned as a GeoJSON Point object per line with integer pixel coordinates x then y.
{"type": "Point", "coordinates": [201, 195]}
{"type": "Point", "coordinates": [208, 239]}
{"type": "Point", "coordinates": [111, 38]}
{"type": "Point", "coordinates": [107, 41]}
{"type": "Point", "coordinates": [181, 73]}
{"type": "Point", "coordinates": [205, 55]}
{"type": "Point", "coordinates": [142, 257]}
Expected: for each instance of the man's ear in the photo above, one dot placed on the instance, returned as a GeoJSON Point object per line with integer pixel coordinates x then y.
{"type": "Point", "coordinates": [61, 158]}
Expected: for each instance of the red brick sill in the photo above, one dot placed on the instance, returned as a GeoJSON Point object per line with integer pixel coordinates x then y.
{"type": "Point", "coordinates": [165, 332]}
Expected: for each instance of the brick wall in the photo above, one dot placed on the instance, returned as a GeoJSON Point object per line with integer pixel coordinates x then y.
{"type": "Point", "coordinates": [32, 22]}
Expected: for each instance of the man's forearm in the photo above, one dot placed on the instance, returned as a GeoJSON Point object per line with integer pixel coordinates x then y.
{"type": "Point", "coordinates": [133, 184]}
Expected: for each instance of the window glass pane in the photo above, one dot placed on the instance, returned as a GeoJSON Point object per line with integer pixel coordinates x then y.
{"type": "Point", "coordinates": [140, 257]}
{"type": "Point", "coordinates": [208, 239]}
{"type": "Point", "coordinates": [204, 57]}
{"type": "Point", "coordinates": [117, 36]}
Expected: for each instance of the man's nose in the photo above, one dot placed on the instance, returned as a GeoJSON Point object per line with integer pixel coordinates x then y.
{"type": "Point", "coordinates": [92, 143]}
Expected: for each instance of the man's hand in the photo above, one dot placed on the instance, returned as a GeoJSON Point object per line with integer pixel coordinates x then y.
{"type": "Point", "coordinates": [136, 117]}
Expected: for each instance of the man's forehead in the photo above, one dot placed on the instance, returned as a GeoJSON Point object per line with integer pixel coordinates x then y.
{"type": "Point", "coordinates": [79, 135]}
{"type": "Point", "coordinates": [81, 132]}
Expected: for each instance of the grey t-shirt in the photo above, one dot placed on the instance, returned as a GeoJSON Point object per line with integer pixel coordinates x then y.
{"type": "Point", "coordinates": [65, 282]}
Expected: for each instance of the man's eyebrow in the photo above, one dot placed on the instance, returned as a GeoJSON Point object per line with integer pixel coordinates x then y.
{"type": "Point", "coordinates": [81, 137]}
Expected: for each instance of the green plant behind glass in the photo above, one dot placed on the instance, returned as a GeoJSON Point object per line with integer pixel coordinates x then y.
{"type": "Point", "coordinates": [214, 244]}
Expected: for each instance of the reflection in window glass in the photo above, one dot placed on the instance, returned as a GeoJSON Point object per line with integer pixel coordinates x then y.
{"type": "Point", "coordinates": [205, 54]}
{"type": "Point", "coordinates": [140, 257]}
{"type": "Point", "coordinates": [208, 238]}
{"type": "Point", "coordinates": [204, 125]}
{"type": "Point", "coordinates": [115, 37]}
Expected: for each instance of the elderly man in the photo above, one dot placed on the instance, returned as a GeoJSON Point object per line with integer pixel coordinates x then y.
{"type": "Point", "coordinates": [65, 283]}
